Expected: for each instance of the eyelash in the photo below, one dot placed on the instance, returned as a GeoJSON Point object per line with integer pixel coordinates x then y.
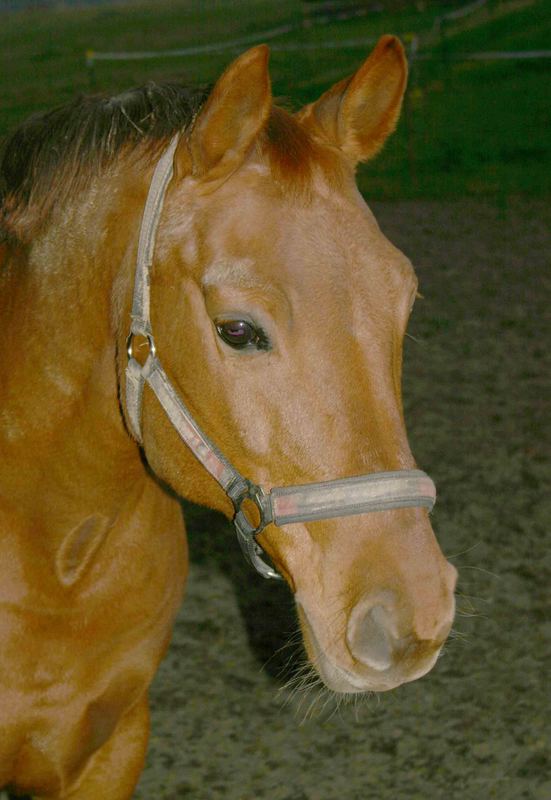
{"type": "Point", "coordinates": [262, 341]}
{"type": "Point", "coordinates": [259, 340]}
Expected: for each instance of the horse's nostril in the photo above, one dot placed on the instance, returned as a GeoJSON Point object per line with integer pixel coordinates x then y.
{"type": "Point", "coordinates": [370, 639]}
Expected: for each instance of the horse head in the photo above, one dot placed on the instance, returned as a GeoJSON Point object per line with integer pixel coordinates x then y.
{"type": "Point", "coordinates": [279, 310]}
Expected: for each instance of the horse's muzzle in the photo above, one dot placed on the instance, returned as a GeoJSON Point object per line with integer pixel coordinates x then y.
{"type": "Point", "coordinates": [383, 643]}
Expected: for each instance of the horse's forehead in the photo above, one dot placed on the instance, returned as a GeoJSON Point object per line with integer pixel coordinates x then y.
{"type": "Point", "coordinates": [330, 231]}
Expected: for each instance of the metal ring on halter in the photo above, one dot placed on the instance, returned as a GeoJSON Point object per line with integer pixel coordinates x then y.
{"type": "Point", "coordinates": [246, 531]}
{"type": "Point", "coordinates": [130, 341]}
{"type": "Point", "coordinates": [250, 491]}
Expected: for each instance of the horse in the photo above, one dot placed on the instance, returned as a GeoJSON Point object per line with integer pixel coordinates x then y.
{"type": "Point", "coordinates": [197, 303]}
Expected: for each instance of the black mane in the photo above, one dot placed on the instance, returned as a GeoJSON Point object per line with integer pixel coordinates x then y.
{"type": "Point", "coordinates": [55, 152]}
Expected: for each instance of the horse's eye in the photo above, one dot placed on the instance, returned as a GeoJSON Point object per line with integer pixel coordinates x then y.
{"type": "Point", "coordinates": [241, 334]}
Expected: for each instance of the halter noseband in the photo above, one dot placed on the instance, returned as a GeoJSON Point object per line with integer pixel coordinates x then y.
{"type": "Point", "coordinates": [379, 491]}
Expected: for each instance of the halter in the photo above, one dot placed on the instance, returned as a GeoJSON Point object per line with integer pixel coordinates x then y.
{"type": "Point", "coordinates": [363, 494]}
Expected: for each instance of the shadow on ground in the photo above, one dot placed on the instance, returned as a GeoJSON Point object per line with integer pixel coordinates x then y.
{"type": "Point", "coordinates": [266, 606]}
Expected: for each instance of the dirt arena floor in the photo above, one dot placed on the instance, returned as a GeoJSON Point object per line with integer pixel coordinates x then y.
{"type": "Point", "coordinates": [478, 402]}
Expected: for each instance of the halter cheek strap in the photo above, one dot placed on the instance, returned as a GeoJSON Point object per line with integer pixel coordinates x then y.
{"type": "Point", "coordinates": [363, 494]}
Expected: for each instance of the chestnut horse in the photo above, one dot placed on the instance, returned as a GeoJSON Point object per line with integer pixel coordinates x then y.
{"type": "Point", "coordinates": [279, 310]}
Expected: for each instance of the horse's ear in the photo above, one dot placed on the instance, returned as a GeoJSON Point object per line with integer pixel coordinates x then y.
{"type": "Point", "coordinates": [230, 120]}
{"type": "Point", "coordinates": [359, 113]}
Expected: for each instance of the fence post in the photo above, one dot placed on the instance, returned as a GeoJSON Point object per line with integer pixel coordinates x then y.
{"type": "Point", "coordinates": [91, 67]}
{"type": "Point", "coordinates": [444, 50]}
{"type": "Point", "coordinates": [412, 46]}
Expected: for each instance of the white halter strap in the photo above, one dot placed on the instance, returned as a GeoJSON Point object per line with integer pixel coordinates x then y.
{"type": "Point", "coordinates": [363, 494]}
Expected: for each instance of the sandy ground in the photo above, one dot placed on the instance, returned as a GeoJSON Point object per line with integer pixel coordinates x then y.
{"type": "Point", "coordinates": [478, 408]}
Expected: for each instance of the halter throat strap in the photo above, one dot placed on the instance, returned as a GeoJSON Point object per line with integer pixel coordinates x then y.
{"type": "Point", "coordinates": [362, 494]}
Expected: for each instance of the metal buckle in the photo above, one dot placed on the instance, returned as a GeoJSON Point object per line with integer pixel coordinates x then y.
{"type": "Point", "coordinates": [247, 530]}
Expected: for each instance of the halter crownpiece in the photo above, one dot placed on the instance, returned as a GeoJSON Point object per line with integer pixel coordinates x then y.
{"type": "Point", "coordinates": [381, 491]}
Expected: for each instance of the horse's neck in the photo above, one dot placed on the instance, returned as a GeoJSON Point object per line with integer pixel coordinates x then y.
{"type": "Point", "coordinates": [65, 452]}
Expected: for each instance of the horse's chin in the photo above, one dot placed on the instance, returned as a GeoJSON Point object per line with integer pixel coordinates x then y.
{"type": "Point", "coordinates": [342, 681]}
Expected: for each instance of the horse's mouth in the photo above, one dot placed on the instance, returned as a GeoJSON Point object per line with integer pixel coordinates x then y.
{"type": "Point", "coordinates": [342, 681]}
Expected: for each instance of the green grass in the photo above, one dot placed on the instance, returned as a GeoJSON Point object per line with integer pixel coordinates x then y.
{"type": "Point", "coordinates": [468, 128]}
{"type": "Point", "coordinates": [475, 127]}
